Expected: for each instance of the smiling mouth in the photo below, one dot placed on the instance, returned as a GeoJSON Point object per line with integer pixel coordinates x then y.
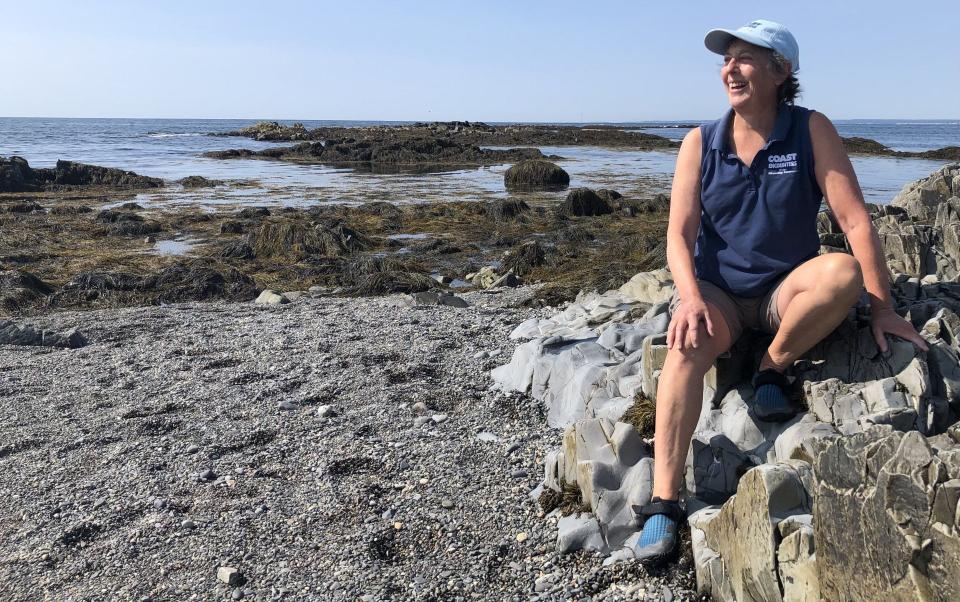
{"type": "Point", "coordinates": [735, 86]}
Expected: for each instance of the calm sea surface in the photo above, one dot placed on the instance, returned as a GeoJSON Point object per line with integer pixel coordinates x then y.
{"type": "Point", "coordinates": [170, 148]}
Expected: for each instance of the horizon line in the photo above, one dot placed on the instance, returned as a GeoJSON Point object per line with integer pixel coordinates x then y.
{"type": "Point", "coordinates": [518, 121]}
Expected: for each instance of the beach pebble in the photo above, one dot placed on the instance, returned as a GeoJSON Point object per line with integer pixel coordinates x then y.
{"type": "Point", "coordinates": [287, 406]}
{"type": "Point", "coordinates": [522, 537]}
{"type": "Point", "coordinates": [448, 504]}
{"type": "Point", "coordinates": [438, 418]}
{"type": "Point", "coordinates": [229, 575]}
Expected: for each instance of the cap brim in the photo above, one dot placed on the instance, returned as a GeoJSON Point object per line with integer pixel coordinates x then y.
{"type": "Point", "coordinates": [718, 40]}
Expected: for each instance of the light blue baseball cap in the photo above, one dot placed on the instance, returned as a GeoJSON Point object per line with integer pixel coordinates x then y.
{"type": "Point", "coordinates": [763, 33]}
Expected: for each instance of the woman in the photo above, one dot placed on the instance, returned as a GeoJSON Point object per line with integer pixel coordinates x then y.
{"type": "Point", "coordinates": [743, 248]}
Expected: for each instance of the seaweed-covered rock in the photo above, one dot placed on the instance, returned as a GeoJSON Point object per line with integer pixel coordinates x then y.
{"type": "Point", "coordinates": [389, 155]}
{"type": "Point", "coordinates": [584, 202]}
{"type": "Point", "coordinates": [21, 290]}
{"type": "Point", "coordinates": [536, 175]}
{"type": "Point", "coordinates": [272, 130]}
{"type": "Point", "coordinates": [201, 279]}
{"type": "Point", "coordinates": [253, 212]}
{"type": "Point", "coordinates": [198, 182]}
{"type": "Point", "coordinates": [298, 240]}
{"type": "Point", "coordinates": [503, 209]}
{"type": "Point", "coordinates": [16, 175]}
{"type": "Point", "coordinates": [524, 257]}
{"type": "Point", "coordinates": [20, 207]}
{"type": "Point", "coordinates": [233, 226]}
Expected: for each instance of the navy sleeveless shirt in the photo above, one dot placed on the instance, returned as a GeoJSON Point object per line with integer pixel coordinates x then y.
{"type": "Point", "coordinates": [759, 221]}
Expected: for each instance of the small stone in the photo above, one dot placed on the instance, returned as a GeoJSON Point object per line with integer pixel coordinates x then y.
{"type": "Point", "coordinates": [481, 355]}
{"type": "Point", "coordinates": [325, 411]}
{"type": "Point", "coordinates": [519, 474]}
{"type": "Point", "coordinates": [448, 504]}
{"type": "Point", "coordinates": [421, 420]}
{"type": "Point", "coordinates": [269, 297]}
{"type": "Point", "coordinates": [438, 418]}
{"type": "Point", "coordinates": [193, 449]}
{"type": "Point", "coordinates": [229, 575]}
{"type": "Point", "coordinates": [419, 408]}
{"type": "Point", "coordinates": [513, 447]}
{"type": "Point", "coordinates": [187, 524]}
{"type": "Point", "coordinates": [521, 537]}
{"type": "Point", "coordinates": [237, 594]}
{"type": "Point", "coordinates": [398, 525]}
{"type": "Point", "coordinates": [159, 503]}
{"type": "Point", "coordinates": [208, 475]}
{"type": "Point", "coordinates": [666, 594]}
{"type": "Point", "coordinates": [287, 406]}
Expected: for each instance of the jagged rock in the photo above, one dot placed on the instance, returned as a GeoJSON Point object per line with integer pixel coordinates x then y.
{"type": "Point", "coordinates": [744, 533]}
{"type": "Point", "coordinates": [649, 287]}
{"type": "Point", "coordinates": [922, 197]}
{"type": "Point", "coordinates": [797, 560]}
{"type": "Point", "coordinates": [613, 469]}
{"type": "Point", "coordinates": [579, 532]}
{"type": "Point", "coordinates": [875, 519]}
{"type": "Point", "coordinates": [712, 578]}
{"type": "Point", "coordinates": [11, 334]}
{"type": "Point", "coordinates": [487, 277]}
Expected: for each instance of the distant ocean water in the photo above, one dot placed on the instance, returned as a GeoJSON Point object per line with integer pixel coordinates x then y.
{"type": "Point", "coordinates": [170, 148]}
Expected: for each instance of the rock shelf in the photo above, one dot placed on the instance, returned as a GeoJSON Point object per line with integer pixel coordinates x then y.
{"type": "Point", "coordinates": [855, 499]}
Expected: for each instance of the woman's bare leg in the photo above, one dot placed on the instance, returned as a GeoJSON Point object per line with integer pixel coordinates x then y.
{"type": "Point", "coordinates": [679, 397]}
{"type": "Point", "coordinates": [813, 300]}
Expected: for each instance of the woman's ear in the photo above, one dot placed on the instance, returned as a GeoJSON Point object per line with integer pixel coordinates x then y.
{"type": "Point", "coordinates": [781, 72]}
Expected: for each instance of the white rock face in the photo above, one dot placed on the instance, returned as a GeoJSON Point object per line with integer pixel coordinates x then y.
{"type": "Point", "coordinates": [269, 297]}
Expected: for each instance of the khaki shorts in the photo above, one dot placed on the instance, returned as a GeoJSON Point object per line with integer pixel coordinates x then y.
{"type": "Point", "coordinates": [758, 313]}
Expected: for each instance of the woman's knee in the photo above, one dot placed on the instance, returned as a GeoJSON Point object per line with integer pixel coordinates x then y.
{"type": "Point", "coordinates": [841, 275]}
{"type": "Point", "coordinates": [693, 360]}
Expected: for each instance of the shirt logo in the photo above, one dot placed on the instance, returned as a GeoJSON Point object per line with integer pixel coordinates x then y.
{"type": "Point", "coordinates": [781, 164]}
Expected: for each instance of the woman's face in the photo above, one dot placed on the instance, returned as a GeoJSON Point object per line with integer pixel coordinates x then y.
{"type": "Point", "coordinates": [748, 75]}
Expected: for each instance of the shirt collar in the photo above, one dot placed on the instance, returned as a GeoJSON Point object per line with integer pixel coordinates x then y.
{"type": "Point", "coordinates": [780, 128]}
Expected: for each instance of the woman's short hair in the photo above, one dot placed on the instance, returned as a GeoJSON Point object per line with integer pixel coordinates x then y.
{"type": "Point", "coordinates": [789, 90]}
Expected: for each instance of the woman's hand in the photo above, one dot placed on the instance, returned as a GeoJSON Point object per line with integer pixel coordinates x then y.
{"type": "Point", "coordinates": [684, 329]}
{"type": "Point", "coordinates": [885, 320]}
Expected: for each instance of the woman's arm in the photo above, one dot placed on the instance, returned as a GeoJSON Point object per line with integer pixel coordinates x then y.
{"type": "Point", "coordinates": [842, 192]}
{"type": "Point", "coordinates": [681, 238]}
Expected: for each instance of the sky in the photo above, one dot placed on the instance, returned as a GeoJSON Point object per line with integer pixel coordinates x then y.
{"type": "Point", "coordinates": [519, 60]}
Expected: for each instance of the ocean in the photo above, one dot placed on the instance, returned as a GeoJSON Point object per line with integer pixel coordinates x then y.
{"type": "Point", "coordinates": [171, 148]}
